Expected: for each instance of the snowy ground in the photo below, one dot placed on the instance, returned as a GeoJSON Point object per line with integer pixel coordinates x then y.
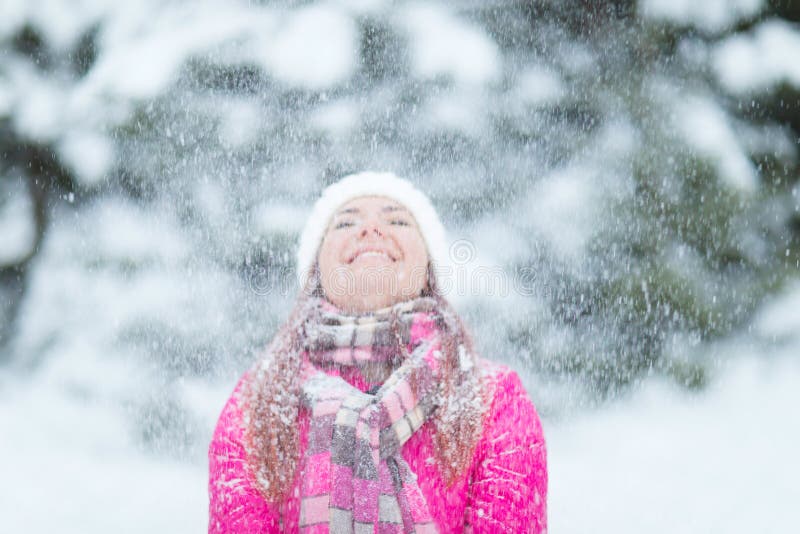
{"type": "Point", "coordinates": [662, 460]}
{"type": "Point", "coordinates": [724, 460]}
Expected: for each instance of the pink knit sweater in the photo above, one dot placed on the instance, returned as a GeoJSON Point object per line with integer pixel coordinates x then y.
{"type": "Point", "coordinates": [503, 490]}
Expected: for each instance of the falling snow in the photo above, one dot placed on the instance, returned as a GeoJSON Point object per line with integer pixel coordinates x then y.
{"type": "Point", "coordinates": [619, 180]}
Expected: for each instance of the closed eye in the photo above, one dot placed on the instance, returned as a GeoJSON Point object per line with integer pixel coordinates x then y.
{"type": "Point", "coordinates": [399, 222]}
{"type": "Point", "coordinates": [343, 224]}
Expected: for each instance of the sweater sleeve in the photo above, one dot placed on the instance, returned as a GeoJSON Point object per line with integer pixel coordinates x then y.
{"type": "Point", "coordinates": [508, 490]}
{"type": "Point", "coordinates": [235, 504]}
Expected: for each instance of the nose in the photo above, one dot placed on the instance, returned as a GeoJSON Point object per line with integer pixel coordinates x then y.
{"type": "Point", "coordinates": [371, 228]}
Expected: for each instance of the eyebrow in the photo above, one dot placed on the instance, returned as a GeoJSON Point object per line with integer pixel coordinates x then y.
{"type": "Point", "coordinates": [385, 209]}
{"type": "Point", "coordinates": [393, 208]}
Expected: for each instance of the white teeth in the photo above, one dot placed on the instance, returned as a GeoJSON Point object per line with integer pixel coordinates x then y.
{"type": "Point", "coordinates": [372, 253]}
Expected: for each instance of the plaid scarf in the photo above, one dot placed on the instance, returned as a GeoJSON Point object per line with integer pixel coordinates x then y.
{"type": "Point", "coordinates": [353, 477]}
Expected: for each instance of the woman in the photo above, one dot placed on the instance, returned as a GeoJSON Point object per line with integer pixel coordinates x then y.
{"type": "Point", "coordinates": [369, 411]}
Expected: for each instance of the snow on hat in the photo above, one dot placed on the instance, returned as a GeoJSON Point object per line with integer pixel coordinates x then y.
{"type": "Point", "coordinates": [383, 184]}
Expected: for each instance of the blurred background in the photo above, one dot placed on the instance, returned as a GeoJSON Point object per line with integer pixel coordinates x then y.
{"type": "Point", "coordinates": [631, 168]}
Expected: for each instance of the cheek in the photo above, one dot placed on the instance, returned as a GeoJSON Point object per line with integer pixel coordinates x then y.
{"type": "Point", "coordinates": [414, 272]}
{"type": "Point", "coordinates": [416, 256]}
{"type": "Point", "coordinates": [329, 252]}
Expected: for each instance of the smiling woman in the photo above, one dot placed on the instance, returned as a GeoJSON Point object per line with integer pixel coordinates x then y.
{"type": "Point", "coordinates": [370, 411]}
{"type": "Point", "coordinates": [372, 256]}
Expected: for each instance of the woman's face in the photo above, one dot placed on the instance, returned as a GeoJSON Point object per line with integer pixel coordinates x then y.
{"type": "Point", "coordinates": [372, 255]}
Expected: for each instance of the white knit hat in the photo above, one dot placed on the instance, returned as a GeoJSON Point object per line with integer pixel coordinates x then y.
{"type": "Point", "coordinates": [384, 184]}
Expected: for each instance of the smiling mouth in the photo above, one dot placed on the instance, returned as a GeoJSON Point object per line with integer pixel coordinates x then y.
{"type": "Point", "coordinates": [369, 253]}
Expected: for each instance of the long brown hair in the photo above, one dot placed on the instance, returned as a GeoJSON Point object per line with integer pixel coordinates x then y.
{"type": "Point", "coordinates": [271, 397]}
